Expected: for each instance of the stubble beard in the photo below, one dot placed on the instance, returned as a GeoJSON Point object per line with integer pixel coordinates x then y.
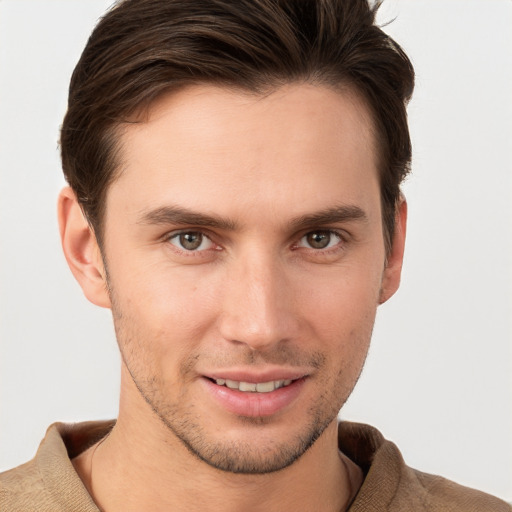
{"type": "Point", "coordinates": [239, 457]}
{"type": "Point", "coordinates": [242, 457]}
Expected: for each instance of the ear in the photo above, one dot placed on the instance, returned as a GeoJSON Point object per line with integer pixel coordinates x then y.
{"type": "Point", "coordinates": [81, 249]}
{"type": "Point", "coordinates": [393, 270]}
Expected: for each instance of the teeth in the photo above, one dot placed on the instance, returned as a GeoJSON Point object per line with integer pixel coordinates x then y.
{"type": "Point", "coordinates": [232, 384]}
{"type": "Point", "coordinates": [264, 387]}
{"type": "Point", "coordinates": [251, 387]}
{"type": "Point", "coordinates": [247, 386]}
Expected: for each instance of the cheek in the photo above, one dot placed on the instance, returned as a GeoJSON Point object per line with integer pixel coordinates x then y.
{"type": "Point", "coordinates": [342, 300]}
{"type": "Point", "coordinates": [165, 295]}
{"type": "Point", "coordinates": [341, 319]}
{"type": "Point", "coordinates": [160, 316]}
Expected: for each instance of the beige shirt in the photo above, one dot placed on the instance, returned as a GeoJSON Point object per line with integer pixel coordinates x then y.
{"type": "Point", "coordinates": [49, 483]}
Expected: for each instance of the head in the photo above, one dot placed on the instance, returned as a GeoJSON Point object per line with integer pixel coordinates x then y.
{"type": "Point", "coordinates": [238, 165]}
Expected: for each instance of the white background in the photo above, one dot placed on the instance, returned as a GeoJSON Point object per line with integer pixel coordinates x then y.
{"type": "Point", "coordinates": [438, 379]}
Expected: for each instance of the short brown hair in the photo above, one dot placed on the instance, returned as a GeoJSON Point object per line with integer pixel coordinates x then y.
{"type": "Point", "coordinates": [143, 48]}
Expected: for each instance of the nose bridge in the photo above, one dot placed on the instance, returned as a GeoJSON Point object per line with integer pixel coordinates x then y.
{"type": "Point", "coordinates": [257, 308]}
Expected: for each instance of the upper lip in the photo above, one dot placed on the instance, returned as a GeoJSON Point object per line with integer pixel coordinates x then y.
{"type": "Point", "coordinates": [254, 376]}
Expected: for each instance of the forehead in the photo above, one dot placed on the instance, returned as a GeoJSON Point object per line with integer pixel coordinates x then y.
{"type": "Point", "coordinates": [212, 148]}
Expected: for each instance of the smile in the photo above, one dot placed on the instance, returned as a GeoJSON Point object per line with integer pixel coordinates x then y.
{"type": "Point", "coordinates": [254, 399]}
{"type": "Point", "coordinates": [252, 387]}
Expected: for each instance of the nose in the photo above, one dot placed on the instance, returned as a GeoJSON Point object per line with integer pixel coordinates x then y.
{"type": "Point", "coordinates": [258, 305]}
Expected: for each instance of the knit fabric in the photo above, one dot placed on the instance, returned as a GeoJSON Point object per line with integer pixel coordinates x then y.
{"type": "Point", "coordinates": [49, 483]}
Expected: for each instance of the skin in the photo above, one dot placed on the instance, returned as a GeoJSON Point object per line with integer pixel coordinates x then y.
{"type": "Point", "coordinates": [269, 179]}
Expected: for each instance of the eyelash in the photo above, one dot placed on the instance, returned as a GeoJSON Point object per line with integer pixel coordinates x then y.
{"type": "Point", "coordinates": [339, 246]}
{"type": "Point", "coordinates": [324, 250]}
{"type": "Point", "coordinates": [191, 253]}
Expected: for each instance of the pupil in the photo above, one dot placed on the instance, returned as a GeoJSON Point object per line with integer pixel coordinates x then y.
{"type": "Point", "coordinates": [319, 240]}
{"type": "Point", "coordinates": [191, 241]}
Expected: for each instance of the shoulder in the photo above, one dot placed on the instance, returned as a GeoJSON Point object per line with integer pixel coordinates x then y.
{"type": "Point", "coordinates": [392, 486]}
{"type": "Point", "coordinates": [22, 488]}
{"type": "Point", "coordinates": [442, 494]}
{"type": "Point", "coordinates": [49, 483]}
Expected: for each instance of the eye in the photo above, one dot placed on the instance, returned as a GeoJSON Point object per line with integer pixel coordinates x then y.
{"type": "Point", "coordinates": [321, 239]}
{"type": "Point", "coordinates": [191, 241]}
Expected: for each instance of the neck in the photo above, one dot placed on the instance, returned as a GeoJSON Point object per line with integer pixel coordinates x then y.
{"type": "Point", "coordinates": [142, 466]}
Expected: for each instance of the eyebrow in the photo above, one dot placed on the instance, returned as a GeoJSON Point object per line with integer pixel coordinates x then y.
{"type": "Point", "coordinates": [183, 216]}
{"type": "Point", "coordinates": [344, 213]}
{"type": "Point", "coordinates": [177, 215]}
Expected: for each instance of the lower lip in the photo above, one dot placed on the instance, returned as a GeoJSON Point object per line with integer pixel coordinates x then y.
{"type": "Point", "coordinates": [254, 404]}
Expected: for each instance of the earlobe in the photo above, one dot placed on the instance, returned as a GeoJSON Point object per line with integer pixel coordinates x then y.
{"type": "Point", "coordinates": [81, 249]}
{"type": "Point", "coordinates": [393, 270]}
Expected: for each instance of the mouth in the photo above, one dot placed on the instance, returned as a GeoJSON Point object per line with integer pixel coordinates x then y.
{"type": "Point", "coordinates": [253, 387]}
{"type": "Point", "coordinates": [245, 397]}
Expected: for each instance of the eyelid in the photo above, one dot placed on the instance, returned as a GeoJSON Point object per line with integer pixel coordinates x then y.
{"type": "Point", "coordinates": [177, 232]}
{"type": "Point", "coordinates": [342, 235]}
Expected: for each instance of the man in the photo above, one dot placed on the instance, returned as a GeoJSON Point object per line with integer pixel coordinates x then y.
{"type": "Point", "coordinates": [234, 174]}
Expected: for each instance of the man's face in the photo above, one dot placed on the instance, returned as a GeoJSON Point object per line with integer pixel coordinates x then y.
{"type": "Point", "coordinates": [245, 252]}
